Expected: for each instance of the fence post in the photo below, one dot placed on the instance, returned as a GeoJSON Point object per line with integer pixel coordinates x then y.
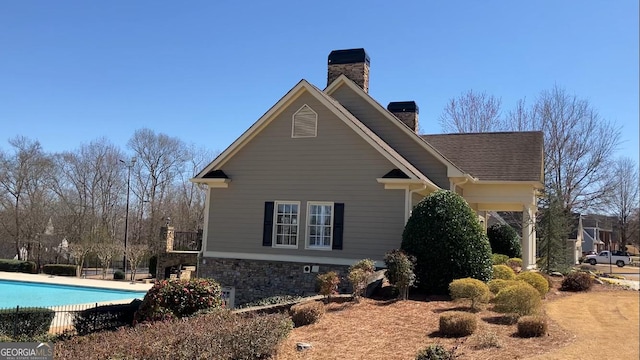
{"type": "Point", "coordinates": [15, 322]}
{"type": "Point", "coordinates": [95, 315]}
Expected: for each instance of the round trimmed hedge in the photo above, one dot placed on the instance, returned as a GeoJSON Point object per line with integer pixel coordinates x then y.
{"type": "Point", "coordinates": [504, 240]}
{"type": "Point", "coordinates": [448, 242]}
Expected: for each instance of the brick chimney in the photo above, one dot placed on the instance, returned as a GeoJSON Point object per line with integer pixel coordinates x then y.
{"type": "Point", "coordinates": [353, 63]}
{"type": "Point", "coordinates": [406, 111]}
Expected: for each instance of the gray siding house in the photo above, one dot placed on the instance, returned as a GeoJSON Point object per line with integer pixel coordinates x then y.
{"type": "Point", "coordinates": [329, 177]}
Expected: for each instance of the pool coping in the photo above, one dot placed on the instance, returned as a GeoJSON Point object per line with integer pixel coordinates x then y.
{"type": "Point", "coordinates": [74, 281]}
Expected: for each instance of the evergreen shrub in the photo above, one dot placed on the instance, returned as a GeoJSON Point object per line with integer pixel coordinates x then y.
{"type": "Point", "coordinates": [179, 298]}
{"type": "Point", "coordinates": [27, 322]}
{"type": "Point", "coordinates": [306, 313]}
{"type": "Point", "coordinates": [10, 265]}
{"type": "Point", "coordinates": [577, 281]}
{"type": "Point", "coordinates": [535, 279]}
{"type": "Point", "coordinates": [457, 323]}
{"type": "Point", "coordinates": [60, 269]}
{"type": "Point", "coordinates": [503, 272]}
{"type": "Point", "coordinates": [472, 289]}
{"type": "Point", "coordinates": [532, 326]}
{"type": "Point", "coordinates": [504, 240]}
{"type": "Point", "coordinates": [520, 298]}
{"type": "Point", "coordinates": [448, 242]}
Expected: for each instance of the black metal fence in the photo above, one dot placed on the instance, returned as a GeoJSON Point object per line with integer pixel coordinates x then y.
{"type": "Point", "coordinates": [187, 240]}
{"type": "Point", "coordinates": [76, 319]}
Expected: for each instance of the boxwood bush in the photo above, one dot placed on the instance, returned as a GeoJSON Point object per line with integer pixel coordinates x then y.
{"type": "Point", "coordinates": [496, 285]}
{"type": "Point", "coordinates": [520, 298]}
{"type": "Point", "coordinates": [306, 313]}
{"type": "Point", "coordinates": [532, 326]}
{"type": "Point", "coordinates": [10, 265]}
{"type": "Point", "coordinates": [436, 352]}
{"type": "Point", "coordinates": [60, 269]}
{"type": "Point", "coordinates": [458, 323]}
{"type": "Point", "coordinates": [178, 298]}
{"type": "Point", "coordinates": [472, 289]}
{"type": "Point", "coordinates": [504, 240]}
{"type": "Point", "coordinates": [499, 259]}
{"type": "Point", "coordinates": [503, 272]}
{"type": "Point", "coordinates": [448, 242]}
{"type": "Point", "coordinates": [27, 322]}
{"type": "Point", "coordinates": [538, 281]}
{"type": "Point", "coordinates": [577, 281]}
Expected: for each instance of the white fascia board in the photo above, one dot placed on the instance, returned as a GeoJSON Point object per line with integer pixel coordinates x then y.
{"type": "Point", "coordinates": [212, 183]}
{"type": "Point", "coordinates": [394, 184]}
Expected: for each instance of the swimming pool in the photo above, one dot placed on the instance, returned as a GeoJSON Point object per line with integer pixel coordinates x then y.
{"type": "Point", "coordinates": [28, 294]}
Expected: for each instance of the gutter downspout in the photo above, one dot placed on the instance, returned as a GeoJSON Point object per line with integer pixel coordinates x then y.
{"type": "Point", "coordinates": [408, 199]}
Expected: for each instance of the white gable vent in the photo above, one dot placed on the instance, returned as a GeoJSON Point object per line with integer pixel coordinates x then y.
{"type": "Point", "coordinates": [305, 123]}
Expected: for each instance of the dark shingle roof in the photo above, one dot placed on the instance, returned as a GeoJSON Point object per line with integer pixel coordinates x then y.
{"type": "Point", "coordinates": [497, 156]}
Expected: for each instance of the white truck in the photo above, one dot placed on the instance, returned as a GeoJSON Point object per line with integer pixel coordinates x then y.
{"type": "Point", "coordinates": [606, 257]}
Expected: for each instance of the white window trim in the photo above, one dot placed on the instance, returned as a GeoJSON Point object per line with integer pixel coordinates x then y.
{"type": "Point", "coordinates": [275, 225]}
{"type": "Point", "coordinates": [293, 123]}
{"type": "Point", "coordinates": [307, 225]}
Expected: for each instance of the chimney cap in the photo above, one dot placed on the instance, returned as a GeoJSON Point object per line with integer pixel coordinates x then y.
{"type": "Point", "coordinates": [349, 56]}
{"type": "Point", "coordinates": [403, 106]}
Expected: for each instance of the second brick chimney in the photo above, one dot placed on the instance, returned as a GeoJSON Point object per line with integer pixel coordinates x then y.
{"type": "Point", "coordinates": [406, 111]}
{"type": "Point", "coordinates": [353, 63]}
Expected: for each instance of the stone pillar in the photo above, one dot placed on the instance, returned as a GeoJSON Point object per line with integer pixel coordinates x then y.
{"type": "Point", "coordinates": [169, 235]}
{"type": "Point", "coordinates": [529, 237]}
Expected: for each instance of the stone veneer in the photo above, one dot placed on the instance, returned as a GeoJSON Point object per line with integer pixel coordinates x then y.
{"type": "Point", "coordinates": [409, 118]}
{"type": "Point", "coordinates": [258, 279]}
{"type": "Point", "coordinates": [176, 259]}
{"type": "Point", "coordinates": [357, 72]}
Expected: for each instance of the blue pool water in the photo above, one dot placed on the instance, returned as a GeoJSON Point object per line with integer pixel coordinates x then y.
{"type": "Point", "coordinates": [28, 294]}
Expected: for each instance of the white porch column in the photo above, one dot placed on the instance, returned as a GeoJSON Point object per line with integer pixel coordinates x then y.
{"type": "Point", "coordinates": [529, 236]}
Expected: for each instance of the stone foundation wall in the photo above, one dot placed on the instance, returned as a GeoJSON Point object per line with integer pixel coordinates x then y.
{"type": "Point", "coordinates": [257, 279]}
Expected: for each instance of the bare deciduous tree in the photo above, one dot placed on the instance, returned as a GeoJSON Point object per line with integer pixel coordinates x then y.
{"type": "Point", "coordinates": [578, 144]}
{"type": "Point", "coordinates": [160, 159]}
{"type": "Point", "coordinates": [623, 199]}
{"type": "Point", "coordinates": [472, 113]}
{"type": "Point", "coordinates": [24, 192]}
{"type": "Point", "coordinates": [79, 252]}
{"type": "Point", "coordinates": [135, 254]}
{"type": "Point", "coordinates": [105, 252]}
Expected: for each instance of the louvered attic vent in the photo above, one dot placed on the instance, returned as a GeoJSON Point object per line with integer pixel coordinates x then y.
{"type": "Point", "coordinates": [305, 123]}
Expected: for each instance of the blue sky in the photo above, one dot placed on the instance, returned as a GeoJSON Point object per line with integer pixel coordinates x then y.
{"type": "Point", "coordinates": [204, 71]}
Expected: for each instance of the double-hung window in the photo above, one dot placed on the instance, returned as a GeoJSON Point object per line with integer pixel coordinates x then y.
{"type": "Point", "coordinates": [319, 225]}
{"type": "Point", "coordinates": [286, 224]}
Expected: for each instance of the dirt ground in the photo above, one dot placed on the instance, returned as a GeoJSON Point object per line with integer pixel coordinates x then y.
{"type": "Point", "coordinates": [581, 326]}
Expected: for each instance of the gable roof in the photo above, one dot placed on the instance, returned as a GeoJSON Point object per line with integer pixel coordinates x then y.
{"type": "Point", "coordinates": [453, 170]}
{"type": "Point", "coordinates": [343, 114]}
{"type": "Point", "coordinates": [495, 156]}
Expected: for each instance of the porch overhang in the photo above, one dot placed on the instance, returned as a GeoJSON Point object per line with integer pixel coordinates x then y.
{"type": "Point", "coordinates": [212, 183]}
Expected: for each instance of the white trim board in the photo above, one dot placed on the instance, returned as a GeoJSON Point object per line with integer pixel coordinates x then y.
{"type": "Point", "coordinates": [326, 260]}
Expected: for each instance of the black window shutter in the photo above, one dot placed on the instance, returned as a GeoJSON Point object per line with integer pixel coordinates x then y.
{"type": "Point", "coordinates": [338, 225]}
{"type": "Point", "coordinates": [267, 232]}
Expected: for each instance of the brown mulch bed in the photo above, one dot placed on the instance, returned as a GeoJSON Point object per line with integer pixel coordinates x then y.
{"type": "Point", "coordinates": [378, 329]}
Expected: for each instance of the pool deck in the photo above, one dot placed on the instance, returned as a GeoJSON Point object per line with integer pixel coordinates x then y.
{"type": "Point", "coordinates": [74, 281]}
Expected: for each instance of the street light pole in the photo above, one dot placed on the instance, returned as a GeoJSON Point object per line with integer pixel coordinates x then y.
{"type": "Point", "coordinates": [126, 218]}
